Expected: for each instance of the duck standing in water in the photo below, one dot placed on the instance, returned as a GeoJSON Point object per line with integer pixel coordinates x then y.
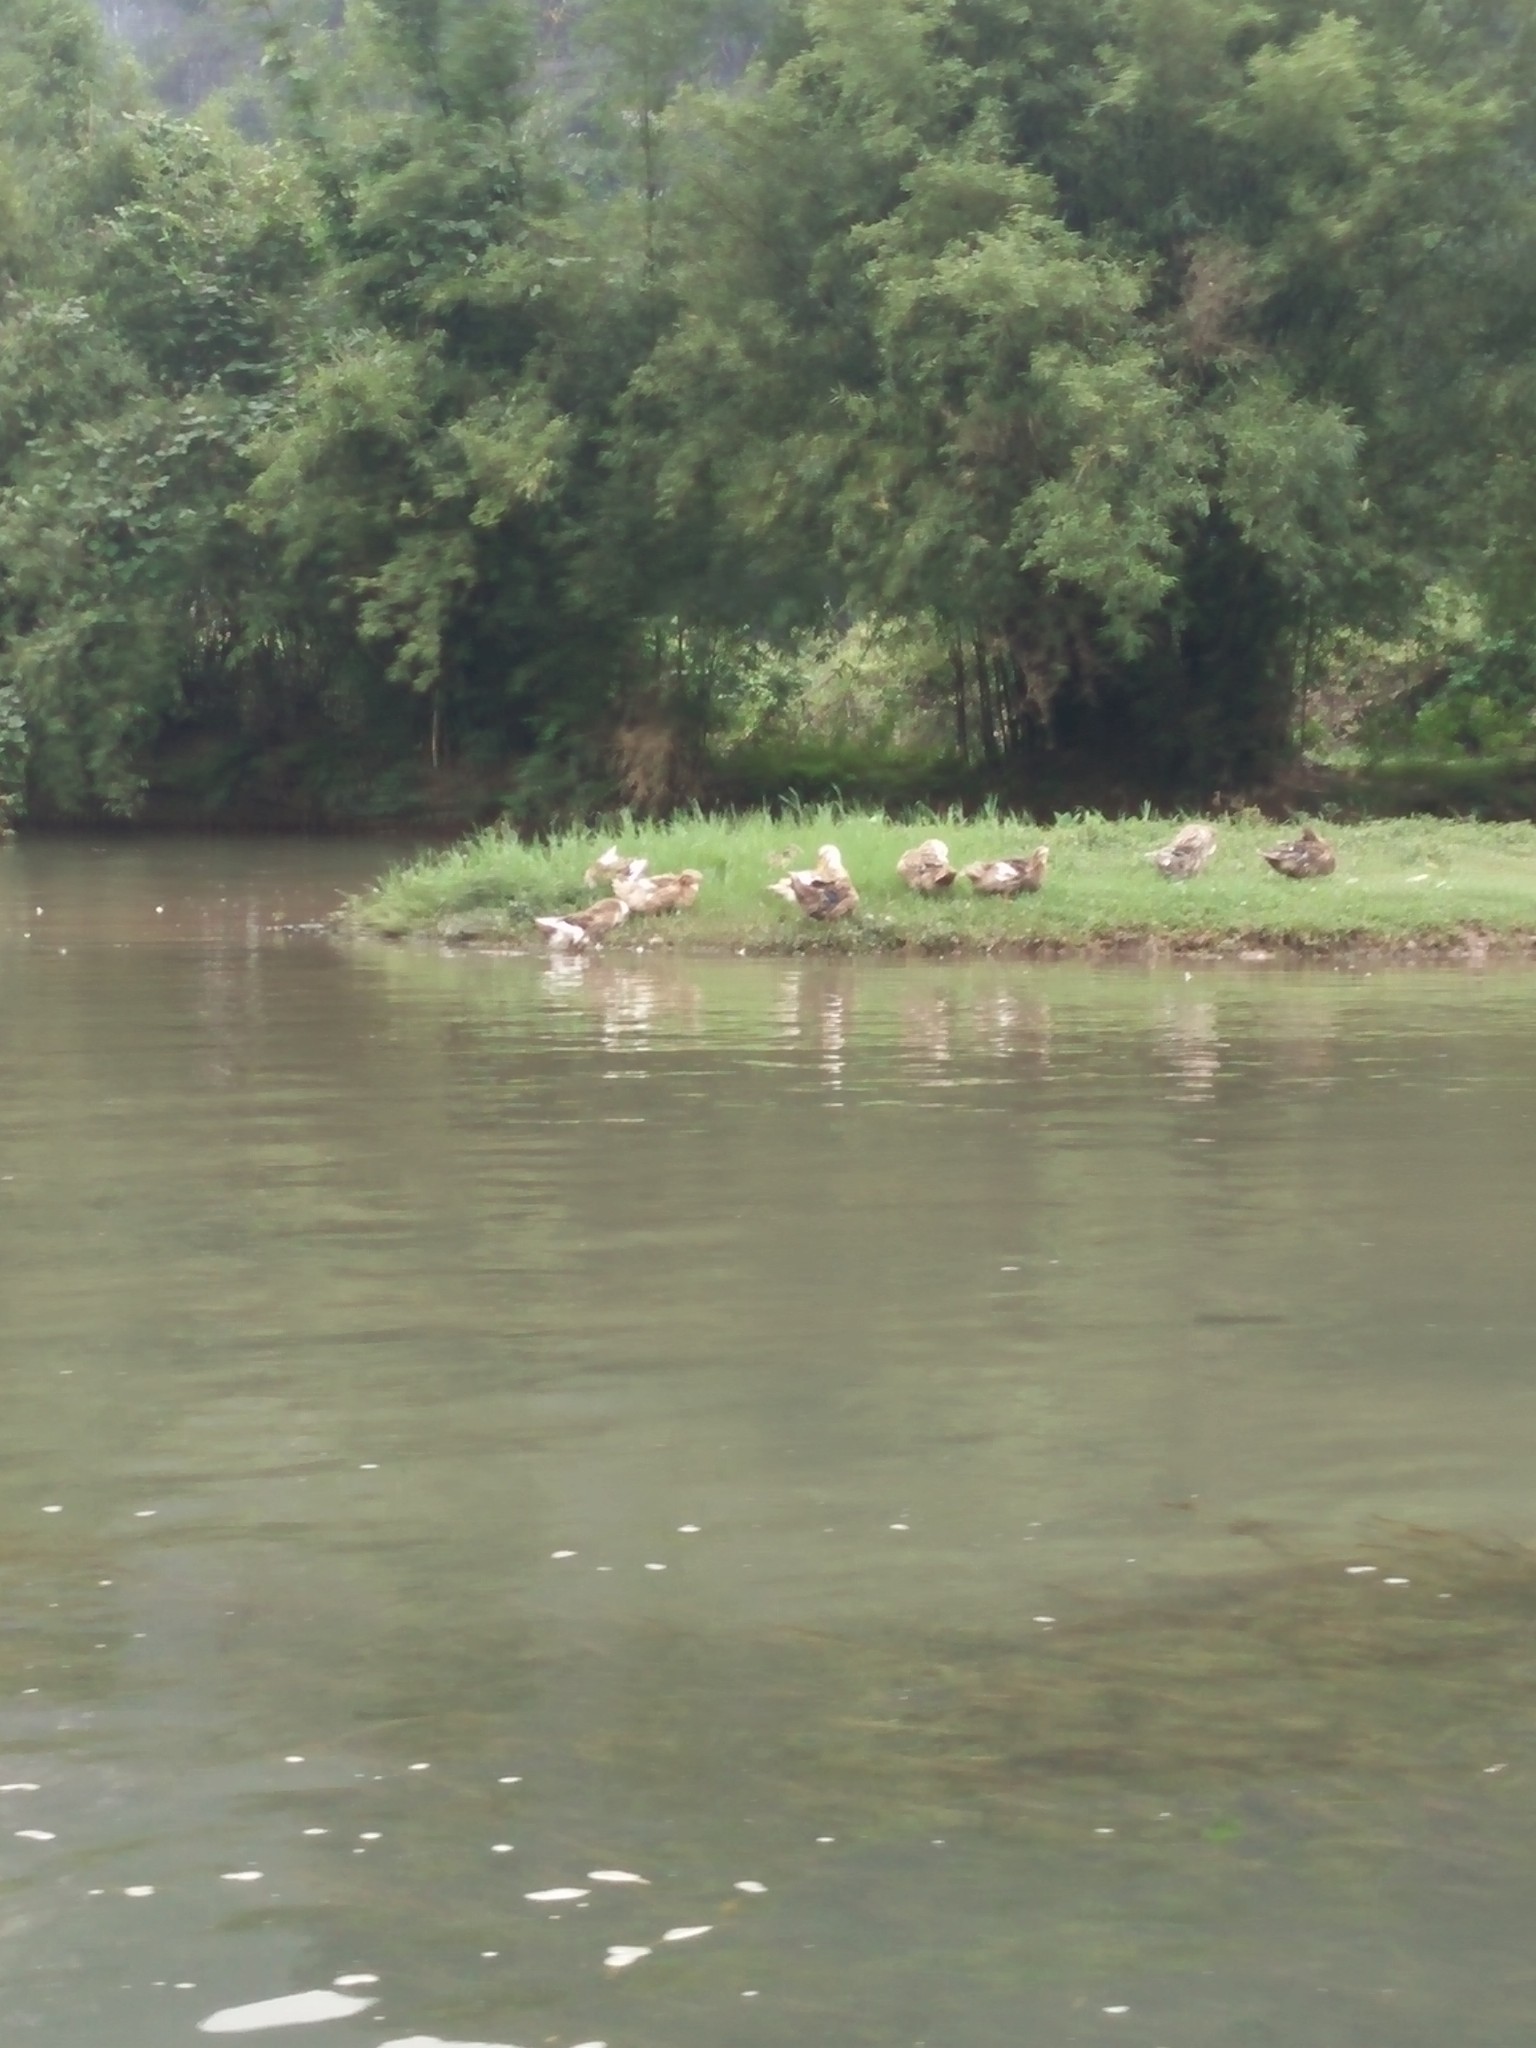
{"type": "Point", "coordinates": [649, 895]}
{"type": "Point", "coordinates": [1306, 858]}
{"type": "Point", "coordinates": [926, 868]}
{"type": "Point", "coordinates": [1014, 875]}
{"type": "Point", "coordinates": [824, 892]}
{"type": "Point", "coordinates": [1186, 854]}
{"type": "Point", "coordinates": [575, 930]}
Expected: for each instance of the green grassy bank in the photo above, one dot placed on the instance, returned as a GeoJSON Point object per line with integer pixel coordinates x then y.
{"type": "Point", "coordinates": [1400, 884]}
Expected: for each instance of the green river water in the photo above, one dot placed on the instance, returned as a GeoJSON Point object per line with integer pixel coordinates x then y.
{"type": "Point", "coordinates": [1000, 1491]}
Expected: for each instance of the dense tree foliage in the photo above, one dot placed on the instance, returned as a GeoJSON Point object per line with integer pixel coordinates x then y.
{"type": "Point", "coordinates": [523, 379]}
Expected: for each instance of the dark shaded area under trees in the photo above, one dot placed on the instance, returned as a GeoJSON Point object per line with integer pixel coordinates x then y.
{"type": "Point", "coordinates": [477, 403]}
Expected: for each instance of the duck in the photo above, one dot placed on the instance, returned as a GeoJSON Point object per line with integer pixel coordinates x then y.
{"type": "Point", "coordinates": [647, 895]}
{"type": "Point", "coordinates": [1305, 858]}
{"type": "Point", "coordinates": [823, 897]}
{"type": "Point", "coordinates": [825, 891]}
{"type": "Point", "coordinates": [1012, 875]}
{"type": "Point", "coordinates": [605, 867]}
{"type": "Point", "coordinates": [926, 868]}
{"type": "Point", "coordinates": [573, 931]}
{"type": "Point", "coordinates": [1186, 853]}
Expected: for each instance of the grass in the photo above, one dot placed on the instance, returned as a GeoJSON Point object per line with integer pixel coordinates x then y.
{"type": "Point", "coordinates": [1401, 883]}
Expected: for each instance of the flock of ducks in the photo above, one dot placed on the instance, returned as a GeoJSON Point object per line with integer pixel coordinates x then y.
{"type": "Point", "coordinates": [826, 892]}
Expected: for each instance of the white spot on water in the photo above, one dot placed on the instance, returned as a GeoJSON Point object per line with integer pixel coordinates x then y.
{"type": "Point", "coordinates": [1354, 1570]}
{"type": "Point", "coordinates": [418, 1767]}
{"type": "Point", "coordinates": [34, 1835]}
{"type": "Point", "coordinates": [557, 1892]}
{"type": "Point", "coordinates": [685, 1933]}
{"type": "Point", "coordinates": [372, 1835]}
{"type": "Point", "coordinates": [367, 1468]}
{"type": "Point", "coordinates": [242, 1876]}
{"type": "Point", "coordinates": [357, 1977]}
{"type": "Point", "coordinates": [1489, 1770]}
{"type": "Point", "coordinates": [55, 1509]}
{"type": "Point", "coordinates": [502, 1848]}
{"type": "Point", "coordinates": [901, 1525]}
{"type": "Point", "coordinates": [300, 2009]}
{"type": "Point", "coordinates": [143, 1514]}
{"type": "Point", "coordinates": [616, 1877]}
{"type": "Point", "coordinates": [138, 1891]}
{"type": "Point", "coordinates": [562, 1553]}
{"type": "Point", "coordinates": [436, 2041]}
{"type": "Point", "coordinates": [1045, 1620]}
{"type": "Point", "coordinates": [1397, 1582]}
{"type": "Point", "coordinates": [1103, 1831]}
{"type": "Point", "coordinates": [21, 1785]}
{"type": "Point", "coordinates": [749, 1884]}
{"type": "Point", "coordinates": [509, 1781]}
{"type": "Point", "coordinates": [826, 1838]}
{"type": "Point", "coordinates": [317, 1831]}
{"type": "Point", "coordinates": [620, 1957]}
{"type": "Point", "coordinates": [295, 1760]}
{"type": "Point", "coordinates": [655, 1567]}
{"type": "Point", "coordinates": [687, 1528]}
{"type": "Point", "coordinates": [1117, 2008]}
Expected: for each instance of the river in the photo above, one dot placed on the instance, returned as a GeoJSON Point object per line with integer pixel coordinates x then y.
{"type": "Point", "coordinates": [723, 1503]}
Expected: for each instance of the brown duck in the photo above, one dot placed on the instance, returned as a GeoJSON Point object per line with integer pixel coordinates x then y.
{"type": "Point", "coordinates": [605, 867]}
{"type": "Point", "coordinates": [574, 930]}
{"type": "Point", "coordinates": [1015, 874]}
{"type": "Point", "coordinates": [926, 868]}
{"type": "Point", "coordinates": [1305, 858]}
{"type": "Point", "coordinates": [824, 892]}
{"type": "Point", "coordinates": [1186, 854]}
{"type": "Point", "coordinates": [649, 895]}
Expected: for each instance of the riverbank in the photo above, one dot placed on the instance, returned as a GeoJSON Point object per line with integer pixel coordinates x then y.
{"type": "Point", "coordinates": [1404, 885]}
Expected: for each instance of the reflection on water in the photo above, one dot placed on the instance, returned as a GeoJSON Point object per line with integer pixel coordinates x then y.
{"type": "Point", "coordinates": [1001, 1493]}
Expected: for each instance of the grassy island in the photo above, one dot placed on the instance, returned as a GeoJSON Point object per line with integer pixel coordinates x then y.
{"type": "Point", "coordinates": [1401, 885]}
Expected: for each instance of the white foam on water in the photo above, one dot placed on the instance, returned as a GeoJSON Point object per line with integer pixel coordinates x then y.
{"type": "Point", "coordinates": [686, 1933]}
{"type": "Point", "coordinates": [616, 1877]}
{"type": "Point", "coordinates": [555, 1892]}
{"type": "Point", "coordinates": [1354, 1570]}
{"type": "Point", "coordinates": [34, 1835]}
{"type": "Point", "coordinates": [562, 1553]}
{"type": "Point", "coordinates": [357, 1977]}
{"type": "Point", "coordinates": [688, 1529]}
{"type": "Point", "coordinates": [299, 2009]}
{"type": "Point", "coordinates": [509, 1781]}
{"type": "Point", "coordinates": [138, 1891]}
{"type": "Point", "coordinates": [242, 1876]}
{"type": "Point", "coordinates": [56, 1509]}
{"type": "Point", "coordinates": [21, 1785]}
{"type": "Point", "coordinates": [619, 1957]}
{"type": "Point", "coordinates": [502, 1848]}
{"type": "Point", "coordinates": [317, 1831]}
{"type": "Point", "coordinates": [655, 1567]}
{"type": "Point", "coordinates": [749, 1884]}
